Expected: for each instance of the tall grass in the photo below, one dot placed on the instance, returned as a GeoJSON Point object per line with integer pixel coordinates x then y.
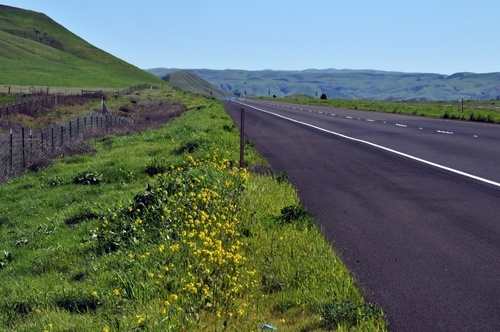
{"type": "Point", "coordinates": [161, 231]}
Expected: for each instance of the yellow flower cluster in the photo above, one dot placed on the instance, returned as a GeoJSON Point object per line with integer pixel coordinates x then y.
{"type": "Point", "coordinates": [209, 238]}
{"type": "Point", "coordinates": [197, 262]}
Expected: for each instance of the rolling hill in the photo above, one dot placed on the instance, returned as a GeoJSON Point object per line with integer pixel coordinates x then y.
{"type": "Point", "coordinates": [35, 50]}
{"type": "Point", "coordinates": [352, 84]}
{"type": "Point", "coordinates": [188, 81]}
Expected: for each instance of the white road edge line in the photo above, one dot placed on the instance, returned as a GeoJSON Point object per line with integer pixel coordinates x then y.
{"type": "Point", "coordinates": [449, 169]}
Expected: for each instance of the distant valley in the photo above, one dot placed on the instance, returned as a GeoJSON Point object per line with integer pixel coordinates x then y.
{"type": "Point", "coordinates": [350, 84]}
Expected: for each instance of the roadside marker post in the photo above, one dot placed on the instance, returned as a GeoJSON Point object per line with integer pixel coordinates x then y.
{"type": "Point", "coordinates": [242, 138]}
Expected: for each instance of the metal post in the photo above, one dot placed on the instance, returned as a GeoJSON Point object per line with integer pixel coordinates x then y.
{"type": "Point", "coordinates": [242, 138]}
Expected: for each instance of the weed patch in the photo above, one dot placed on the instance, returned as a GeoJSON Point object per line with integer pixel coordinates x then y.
{"type": "Point", "coordinates": [346, 312]}
{"type": "Point", "coordinates": [88, 178]}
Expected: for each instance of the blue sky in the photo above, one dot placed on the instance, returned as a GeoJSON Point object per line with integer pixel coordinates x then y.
{"type": "Point", "coordinates": [434, 36]}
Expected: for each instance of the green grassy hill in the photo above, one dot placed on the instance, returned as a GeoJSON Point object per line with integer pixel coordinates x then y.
{"type": "Point", "coordinates": [185, 80]}
{"type": "Point", "coordinates": [35, 50]}
{"type": "Point", "coordinates": [352, 84]}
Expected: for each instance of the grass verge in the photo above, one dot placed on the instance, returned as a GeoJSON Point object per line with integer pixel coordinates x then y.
{"type": "Point", "coordinates": [480, 111]}
{"type": "Point", "coordinates": [160, 231]}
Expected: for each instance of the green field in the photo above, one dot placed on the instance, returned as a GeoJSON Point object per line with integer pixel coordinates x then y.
{"type": "Point", "coordinates": [480, 111]}
{"type": "Point", "coordinates": [160, 231]}
{"type": "Point", "coordinates": [189, 82]}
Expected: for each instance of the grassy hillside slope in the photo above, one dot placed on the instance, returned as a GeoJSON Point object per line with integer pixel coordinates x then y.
{"type": "Point", "coordinates": [35, 50]}
{"type": "Point", "coordinates": [190, 82]}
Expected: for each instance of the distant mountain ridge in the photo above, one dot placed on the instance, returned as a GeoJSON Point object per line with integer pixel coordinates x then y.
{"type": "Point", "coordinates": [351, 84]}
{"type": "Point", "coordinates": [36, 50]}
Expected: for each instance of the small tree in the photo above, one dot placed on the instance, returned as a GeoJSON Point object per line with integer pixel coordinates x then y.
{"type": "Point", "coordinates": [323, 96]}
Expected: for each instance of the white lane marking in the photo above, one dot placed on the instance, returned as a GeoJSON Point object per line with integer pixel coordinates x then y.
{"type": "Point", "coordinates": [446, 168]}
{"type": "Point", "coordinates": [445, 132]}
{"type": "Point", "coordinates": [401, 125]}
{"type": "Point", "coordinates": [475, 136]}
{"type": "Point", "coordinates": [349, 117]}
{"type": "Point", "coordinates": [370, 120]}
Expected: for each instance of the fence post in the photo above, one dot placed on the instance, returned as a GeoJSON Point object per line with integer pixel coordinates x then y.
{"type": "Point", "coordinates": [77, 127]}
{"type": "Point", "coordinates": [242, 138]}
{"type": "Point", "coordinates": [31, 146]}
{"type": "Point", "coordinates": [52, 139]}
{"type": "Point", "coordinates": [22, 144]}
{"type": "Point", "coordinates": [62, 133]}
{"type": "Point", "coordinates": [41, 138]}
{"type": "Point", "coordinates": [70, 132]}
{"type": "Point", "coordinates": [11, 150]}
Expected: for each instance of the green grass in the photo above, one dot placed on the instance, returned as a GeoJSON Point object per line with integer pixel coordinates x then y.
{"type": "Point", "coordinates": [206, 245]}
{"type": "Point", "coordinates": [190, 82]}
{"type": "Point", "coordinates": [481, 111]}
{"type": "Point", "coordinates": [35, 50]}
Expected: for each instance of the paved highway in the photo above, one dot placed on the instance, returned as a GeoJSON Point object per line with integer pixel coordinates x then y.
{"type": "Point", "coordinates": [413, 205]}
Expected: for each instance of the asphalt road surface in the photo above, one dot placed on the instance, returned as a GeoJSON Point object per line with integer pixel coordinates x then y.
{"type": "Point", "coordinates": [412, 204]}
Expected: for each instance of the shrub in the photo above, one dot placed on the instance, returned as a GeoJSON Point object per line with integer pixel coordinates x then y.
{"type": "Point", "coordinates": [156, 166]}
{"type": "Point", "coordinates": [293, 213]}
{"type": "Point", "coordinates": [87, 178]}
{"type": "Point", "coordinates": [336, 312]}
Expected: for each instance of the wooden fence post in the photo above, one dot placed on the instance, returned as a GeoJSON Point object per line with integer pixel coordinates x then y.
{"type": "Point", "coordinates": [22, 145]}
{"type": "Point", "coordinates": [242, 138]}
{"type": "Point", "coordinates": [41, 139]}
{"type": "Point", "coordinates": [52, 139]}
{"type": "Point", "coordinates": [11, 150]}
{"type": "Point", "coordinates": [31, 146]}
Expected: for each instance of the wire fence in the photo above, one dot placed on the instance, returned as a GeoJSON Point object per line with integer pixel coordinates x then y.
{"type": "Point", "coordinates": [22, 148]}
{"type": "Point", "coordinates": [36, 103]}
